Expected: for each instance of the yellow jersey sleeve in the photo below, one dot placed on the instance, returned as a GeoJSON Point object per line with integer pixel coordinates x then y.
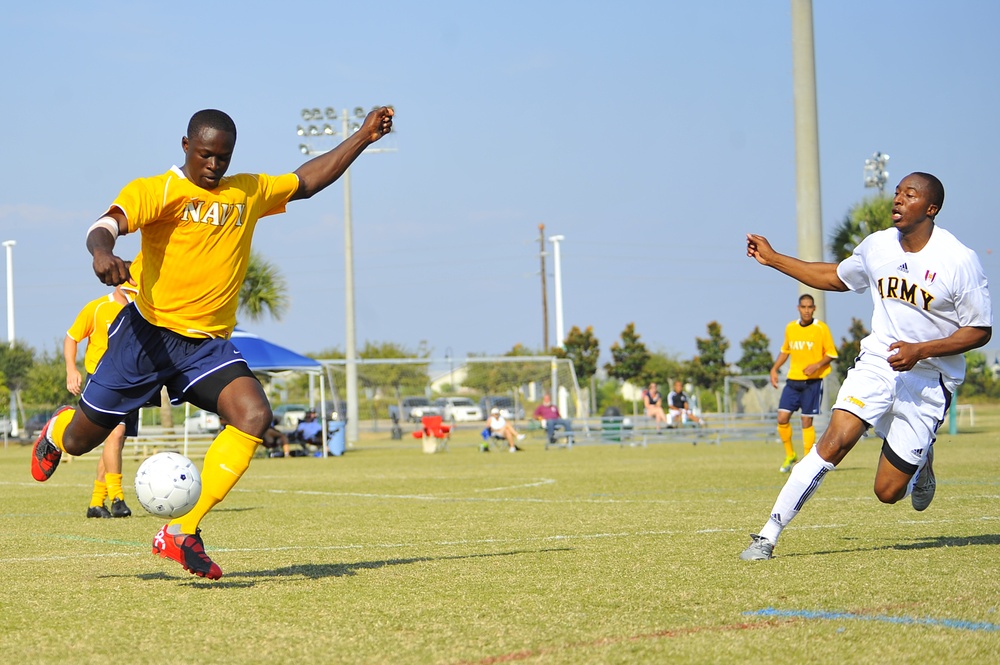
{"type": "Point", "coordinates": [92, 324]}
{"type": "Point", "coordinates": [807, 345]}
{"type": "Point", "coordinates": [196, 245]}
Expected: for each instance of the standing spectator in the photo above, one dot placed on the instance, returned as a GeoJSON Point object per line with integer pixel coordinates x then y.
{"type": "Point", "coordinates": [809, 344]}
{"type": "Point", "coordinates": [547, 414]}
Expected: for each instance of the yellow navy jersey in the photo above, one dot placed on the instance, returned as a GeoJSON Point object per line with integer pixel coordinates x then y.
{"type": "Point", "coordinates": [806, 345]}
{"type": "Point", "coordinates": [92, 324]}
{"type": "Point", "coordinates": [196, 245]}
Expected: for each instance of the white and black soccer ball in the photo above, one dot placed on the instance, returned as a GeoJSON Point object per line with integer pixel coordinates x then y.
{"type": "Point", "coordinates": [168, 484]}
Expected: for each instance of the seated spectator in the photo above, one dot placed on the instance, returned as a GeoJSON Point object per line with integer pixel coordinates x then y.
{"type": "Point", "coordinates": [680, 409]}
{"type": "Point", "coordinates": [653, 401]}
{"type": "Point", "coordinates": [500, 427]}
{"type": "Point", "coordinates": [310, 430]}
{"type": "Point", "coordinates": [548, 415]}
{"type": "Point", "coordinates": [273, 438]}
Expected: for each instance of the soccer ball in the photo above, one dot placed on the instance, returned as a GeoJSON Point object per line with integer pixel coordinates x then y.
{"type": "Point", "coordinates": [168, 484]}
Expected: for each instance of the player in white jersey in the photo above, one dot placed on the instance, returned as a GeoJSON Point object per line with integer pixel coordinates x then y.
{"type": "Point", "coordinates": [932, 304]}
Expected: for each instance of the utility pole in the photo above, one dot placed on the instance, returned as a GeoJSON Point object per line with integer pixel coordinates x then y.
{"type": "Point", "coordinates": [545, 297]}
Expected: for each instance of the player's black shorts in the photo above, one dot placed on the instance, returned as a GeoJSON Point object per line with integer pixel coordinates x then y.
{"type": "Point", "coordinates": [142, 358]}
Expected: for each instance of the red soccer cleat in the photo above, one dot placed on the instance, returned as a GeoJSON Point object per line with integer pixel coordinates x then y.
{"type": "Point", "coordinates": [45, 456]}
{"type": "Point", "coordinates": [187, 550]}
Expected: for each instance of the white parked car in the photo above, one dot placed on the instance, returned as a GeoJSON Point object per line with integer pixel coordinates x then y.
{"type": "Point", "coordinates": [289, 415]}
{"type": "Point", "coordinates": [202, 422]}
{"type": "Point", "coordinates": [459, 409]}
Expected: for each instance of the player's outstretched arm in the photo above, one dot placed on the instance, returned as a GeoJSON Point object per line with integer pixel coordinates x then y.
{"type": "Point", "coordinates": [817, 274]}
{"type": "Point", "coordinates": [319, 173]}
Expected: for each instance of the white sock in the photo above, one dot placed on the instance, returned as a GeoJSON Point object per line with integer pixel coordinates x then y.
{"type": "Point", "coordinates": [802, 482]}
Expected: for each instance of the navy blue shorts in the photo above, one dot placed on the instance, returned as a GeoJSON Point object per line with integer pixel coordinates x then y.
{"type": "Point", "coordinates": [142, 358]}
{"type": "Point", "coordinates": [131, 420]}
{"type": "Point", "coordinates": [805, 395]}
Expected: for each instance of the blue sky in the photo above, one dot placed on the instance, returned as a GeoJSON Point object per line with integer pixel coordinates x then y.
{"type": "Point", "coordinates": [652, 135]}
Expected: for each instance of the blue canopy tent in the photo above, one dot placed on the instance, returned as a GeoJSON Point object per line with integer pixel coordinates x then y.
{"type": "Point", "coordinates": [264, 356]}
{"type": "Point", "coordinates": [267, 357]}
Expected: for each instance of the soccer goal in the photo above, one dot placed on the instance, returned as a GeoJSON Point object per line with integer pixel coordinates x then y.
{"type": "Point", "coordinates": [386, 382]}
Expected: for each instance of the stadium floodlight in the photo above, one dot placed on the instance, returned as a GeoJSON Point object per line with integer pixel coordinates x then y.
{"type": "Point", "coordinates": [327, 133]}
{"type": "Point", "coordinates": [875, 173]}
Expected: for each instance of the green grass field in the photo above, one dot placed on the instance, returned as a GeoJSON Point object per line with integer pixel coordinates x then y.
{"type": "Point", "coordinates": [599, 554]}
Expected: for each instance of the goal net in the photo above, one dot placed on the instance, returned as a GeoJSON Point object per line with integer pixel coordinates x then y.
{"type": "Point", "coordinates": [384, 382]}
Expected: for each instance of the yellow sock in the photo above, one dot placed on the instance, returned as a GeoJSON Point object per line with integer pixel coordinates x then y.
{"type": "Point", "coordinates": [808, 438]}
{"type": "Point", "coordinates": [225, 463]}
{"type": "Point", "coordinates": [114, 481]}
{"type": "Point", "coordinates": [59, 426]}
{"type": "Point", "coordinates": [100, 493]}
{"type": "Point", "coordinates": [785, 432]}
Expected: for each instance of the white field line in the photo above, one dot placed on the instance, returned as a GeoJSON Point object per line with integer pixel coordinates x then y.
{"type": "Point", "coordinates": [507, 542]}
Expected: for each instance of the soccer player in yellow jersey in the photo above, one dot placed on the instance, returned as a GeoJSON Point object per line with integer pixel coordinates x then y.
{"type": "Point", "coordinates": [92, 324]}
{"type": "Point", "coordinates": [810, 346]}
{"type": "Point", "coordinates": [196, 225]}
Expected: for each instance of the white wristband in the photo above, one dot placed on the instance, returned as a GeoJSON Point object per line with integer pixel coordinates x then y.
{"type": "Point", "coordinates": [109, 223]}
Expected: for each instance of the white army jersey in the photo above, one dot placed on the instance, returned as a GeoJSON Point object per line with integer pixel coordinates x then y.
{"type": "Point", "coordinates": [919, 296]}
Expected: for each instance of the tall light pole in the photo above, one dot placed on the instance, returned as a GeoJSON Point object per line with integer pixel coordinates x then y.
{"type": "Point", "coordinates": [9, 244]}
{"type": "Point", "coordinates": [807, 199]}
{"type": "Point", "coordinates": [313, 132]}
{"type": "Point", "coordinates": [557, 267]}
{"type": "Point", "coordinates": [451, 369]}
{"type": "Point", "coordinates": [558, 392]}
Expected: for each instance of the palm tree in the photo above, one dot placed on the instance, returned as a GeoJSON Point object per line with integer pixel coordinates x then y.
{"type": "Point", "coordinates": [869, 215]}
{"type": "Point", "coordinates": [263, 289]}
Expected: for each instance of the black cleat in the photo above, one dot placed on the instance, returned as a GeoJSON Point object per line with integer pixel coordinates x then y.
{"type": "Point", "coordinates": [98, 511]}
{"type": "Point", "coordinates": [119, 509]}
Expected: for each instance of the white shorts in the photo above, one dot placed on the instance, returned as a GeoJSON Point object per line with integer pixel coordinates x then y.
{"type": "Point", "coordinates": [904, 408]}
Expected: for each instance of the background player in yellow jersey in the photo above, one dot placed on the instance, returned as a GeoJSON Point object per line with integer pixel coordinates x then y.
{"type": "Point", "coordinates": [196, 225]}
{"type": "Point", "coordinates": [810, 346]}
{"type": "Point", "coordinates": [92, 324]}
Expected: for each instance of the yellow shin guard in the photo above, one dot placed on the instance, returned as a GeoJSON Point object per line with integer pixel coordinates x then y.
{"type": "Point", "coordinates": [59, 426]}
{"type": "Point", "coordinates": [808, 438]}
{"type": "Point", "coordinates": [785, 433]}
{"type": "Point", "coordinates": [100, 493]}
{"type": "Point", "coordinates": [227, 459]}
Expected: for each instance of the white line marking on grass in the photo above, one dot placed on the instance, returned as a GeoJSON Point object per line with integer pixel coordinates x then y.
{"type": "Point", "coordinates": [434, 543]}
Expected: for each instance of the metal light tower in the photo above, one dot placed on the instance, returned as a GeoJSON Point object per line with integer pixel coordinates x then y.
{"type": "Point", "coordinates": [807, 182]}
{"type": "Point", "coordinates": [322, 133]}
{"type": "Point", "coordinates": [451, 368]}
{"type": "Point", "coordinates": [875, 173]}
{"type": "Point", "coordinates": [557, 268]}
{"type": "Point", "coordinates": [9, 244]}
